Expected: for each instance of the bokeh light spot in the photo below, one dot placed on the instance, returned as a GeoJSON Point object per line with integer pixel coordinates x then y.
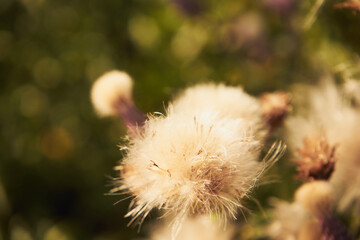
{"type": "Point", "coordinates": [20, 233]}
{"type": "Point", "coordinates": [32, 101]}
{"type": "Point", "coordinates": [47, 72]}
{"type": "Point", "coordinates": [56, 143]}
{"type": "Point", "coordinates": [188, 42]}
{"type": "Point", "coordinates": [5, 43]}
{"type": "Point", "coordinates": [56, 233]}
{"type": "Point", "coordinates": [144, 31]}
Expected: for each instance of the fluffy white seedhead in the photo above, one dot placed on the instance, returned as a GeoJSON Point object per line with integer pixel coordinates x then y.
{"type": "Point", "coordinates": [196, 228]}
{"type": "Point", "coordinates": [317, 198]}
{"type": "Point", "coordinates": [110, 92]}
{"type": "Point", "coordinates": [201, 158]}
{"type": "Point", "coordinates": [192, 166]}
{"type": "Point", "coordinates": [227, 102]}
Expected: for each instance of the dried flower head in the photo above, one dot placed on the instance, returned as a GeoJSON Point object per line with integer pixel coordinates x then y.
{"type": "Point", "coordinates": [196, 161]}
{"type": "Point", "coordinates": [111, 95]}
{"type": "Point", "coordinates": [316, 160]}
{"type": "Point", "coordinates": [275, 107]}
{"type": "Point", "coordinates": [196, 228]}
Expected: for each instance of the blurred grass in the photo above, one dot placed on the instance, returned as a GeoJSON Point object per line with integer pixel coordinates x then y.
{"type": "Point", "coordinates": [56, 154]}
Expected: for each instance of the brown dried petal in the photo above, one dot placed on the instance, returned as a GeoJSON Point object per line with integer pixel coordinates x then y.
{"type": "Point", "coordinates": [317, 159]}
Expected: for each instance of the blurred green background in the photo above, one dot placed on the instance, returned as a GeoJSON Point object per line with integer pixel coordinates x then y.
{"type": "Point", "coordinates": [57, 157]}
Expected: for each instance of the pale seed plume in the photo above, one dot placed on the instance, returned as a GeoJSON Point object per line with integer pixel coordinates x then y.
{"type": "Point", "coordinates": [194, 228]}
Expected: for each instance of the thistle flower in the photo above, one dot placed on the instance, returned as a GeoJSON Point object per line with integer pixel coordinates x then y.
{"type": "Point", "coordinates": [275, 107]}
{"type": "Point", "coordinates": [316, 159]}
{"type": "Point", "coordinates": [196, 161]}
{"type": "Point", "coordinates": [281, 6]}
{"type": "Point", "coordinates": [323, 132]}
{"type": "Point", "coordinates": [196, 228]}
{"type": "Point", "coordinates": [189, 7]}
{"type": "Point", "coordinates": [111, 95]}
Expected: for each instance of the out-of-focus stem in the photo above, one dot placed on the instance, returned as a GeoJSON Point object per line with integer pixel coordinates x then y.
{"type": "Point", "coordinates": [133, 118]}
{"type": "Point", "coordinates": [333, 229]}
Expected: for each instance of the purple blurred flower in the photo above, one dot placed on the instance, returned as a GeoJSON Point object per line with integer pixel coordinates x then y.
{"type": "Point", "coordinates": [281, 6]}
{"type": "Point", "coordinates": [189, 7]}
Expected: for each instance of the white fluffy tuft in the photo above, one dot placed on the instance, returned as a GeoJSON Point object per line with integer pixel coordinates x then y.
{"type": "Point", "coordinates": [316, 197]}
{"type": "Point", "coordinates": [292, 221]}
{"type": "Point", "coordinates": [194, 229]}
{"type": "Point", "coordinates": [109, 90]}
{"type": "Point", "coordinates": [225, 101]}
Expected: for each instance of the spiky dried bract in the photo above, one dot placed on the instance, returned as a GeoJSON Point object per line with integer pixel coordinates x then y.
{"type": "Point", "coordinates": [275, 107]}
{"type": "Point", "coordinates": [317, 198]}
{"type": "Point", "coordinates": [225, 101]}
{"type": "Point", "coordinates": [110, 91]}
{"type": "Point", "coordinates": [196, 228]}
{"type": "Point", "coordinates": [316, 159]}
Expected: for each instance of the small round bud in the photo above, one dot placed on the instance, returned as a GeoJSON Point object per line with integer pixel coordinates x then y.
{"type": "Point", "coordinates": [316, 197]}
{"type": "Point", "coordinates": [111, 93]}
